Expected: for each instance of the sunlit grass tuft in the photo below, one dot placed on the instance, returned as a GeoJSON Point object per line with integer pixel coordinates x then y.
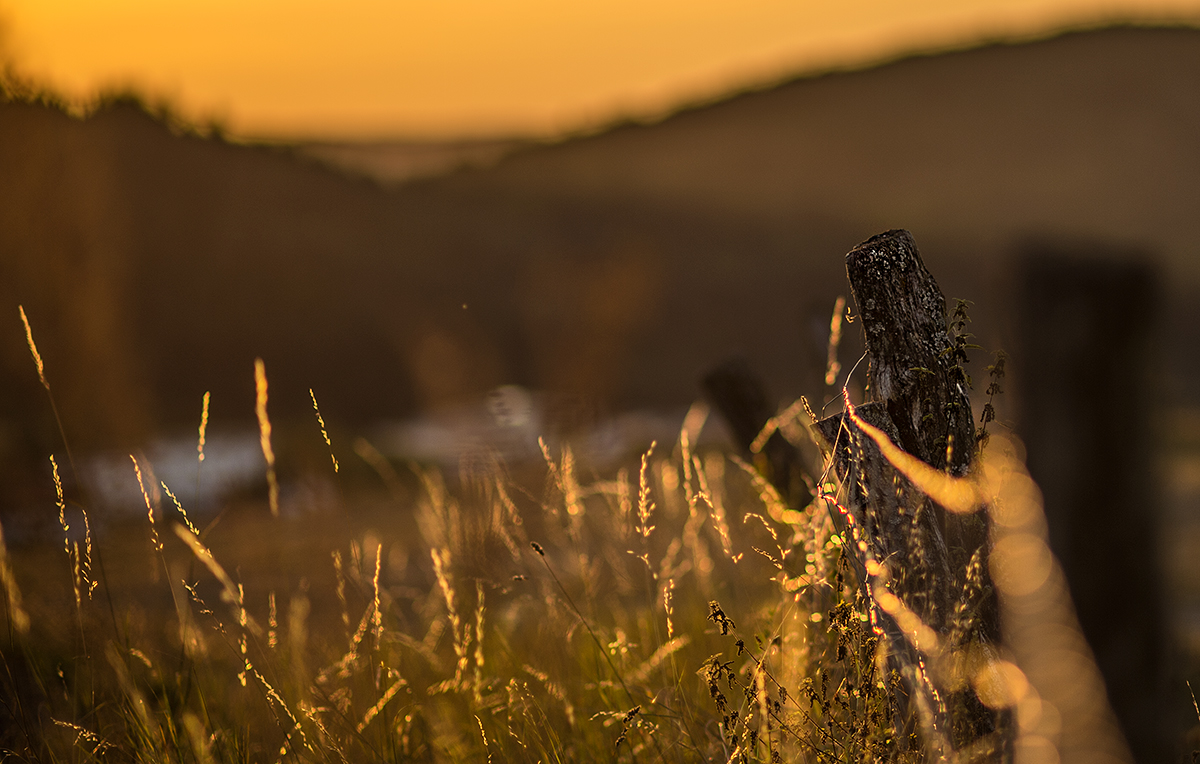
{"type": "Point", "coordinates": [264, 430]}
{"type": "Point", "coordinates": [561, 627]}
{"type": "Point", "coordinates": [675, 609]}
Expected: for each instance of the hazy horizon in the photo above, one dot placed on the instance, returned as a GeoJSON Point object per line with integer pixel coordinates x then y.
{"type": "Point", "coordinates": [462, 70]}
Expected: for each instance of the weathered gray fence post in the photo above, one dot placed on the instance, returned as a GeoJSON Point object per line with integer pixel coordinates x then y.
{"type": "Point", "coordinates": [936, 561]}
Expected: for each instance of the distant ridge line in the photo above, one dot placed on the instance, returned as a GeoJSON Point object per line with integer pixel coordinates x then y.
{"type": "Point", "coordinates": [431, 158]}
{"type": "Point", "coordinates": [898, 57]}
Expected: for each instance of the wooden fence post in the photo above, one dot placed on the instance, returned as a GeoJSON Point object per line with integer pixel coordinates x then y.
{"type": "Point", "coordinates": [1087, 398]}
{"type": "Point", "coordinates": [934, 561]}
{"type": "Point", "coordinates": [741, 398]}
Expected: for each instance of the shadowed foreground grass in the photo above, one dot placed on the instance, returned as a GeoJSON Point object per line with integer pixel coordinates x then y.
{"type": "Point", "coordinates": [674, 611]}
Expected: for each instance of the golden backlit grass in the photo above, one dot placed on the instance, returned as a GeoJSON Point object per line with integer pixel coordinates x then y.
{"type": "Point", "coordinates": [678, 610]}
{"type": "Point", "coordinates": [669, 615]}
{"type": "Point", "coordinates": [264, 429]}
{"type": "Point", "coordinates": [576, 624]}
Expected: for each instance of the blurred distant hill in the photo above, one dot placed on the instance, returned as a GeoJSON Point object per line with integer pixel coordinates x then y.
{"type": "Point", "coordinates": [613, 268]}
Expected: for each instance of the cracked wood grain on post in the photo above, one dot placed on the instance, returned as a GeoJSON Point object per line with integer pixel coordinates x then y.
{"type": "Point", "coordinates": [912, 370]}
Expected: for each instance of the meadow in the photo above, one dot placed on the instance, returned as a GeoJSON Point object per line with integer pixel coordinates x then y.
{"type": "Point", "coordinates": [662, 613]}
{"type": "Point", "coordinates": [677, 609]}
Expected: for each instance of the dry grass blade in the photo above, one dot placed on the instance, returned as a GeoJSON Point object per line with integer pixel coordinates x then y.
{"type": "Point", "coordinates": [645, 508]}
{"type": "Point", "coordinates": [324, 433]}
{"type": "Point", "coordinates": [154, 539]}
{"type": "Point", "coordinates": [383, 701]}
{"type": "Point", "coordinates": [60, 502]}
{"type": "Point", "coordinates": [264, 434]}
{"type": "Point", "coordinates": [37, 357]}
{"type": "Point", "coordinates": [203, 429]}
{"type": "Point", "coordinates": [179, 508]}
{"type": "Point", "coordinates": [229, 588]}
{"type": "Point", "coordinates": [832, 367]}
{"type": "Point", "coordinates": [16, 612]}
{"type": "Point", "coordinates": [958, 495]}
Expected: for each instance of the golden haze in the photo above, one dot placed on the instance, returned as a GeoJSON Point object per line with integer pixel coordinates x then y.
{"type": "Point", "coordinates": [375, 68]}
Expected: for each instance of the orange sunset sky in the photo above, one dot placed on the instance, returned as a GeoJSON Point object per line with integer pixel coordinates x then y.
{"type": "Point", "coordinates": [459, 68]}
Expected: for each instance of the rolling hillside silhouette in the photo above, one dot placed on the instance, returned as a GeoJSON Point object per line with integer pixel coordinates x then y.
{"type": "Point", "coordinates": [615, 268]}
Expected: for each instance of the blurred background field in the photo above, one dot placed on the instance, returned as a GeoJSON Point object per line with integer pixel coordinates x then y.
{"type": "Point", "coordinates": [459, 253]}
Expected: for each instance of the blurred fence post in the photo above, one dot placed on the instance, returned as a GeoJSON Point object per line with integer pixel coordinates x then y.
{"type": "Point", "coordinates": [741, 398]}
{"type": "Point", "coordinates": [1085, 372]}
